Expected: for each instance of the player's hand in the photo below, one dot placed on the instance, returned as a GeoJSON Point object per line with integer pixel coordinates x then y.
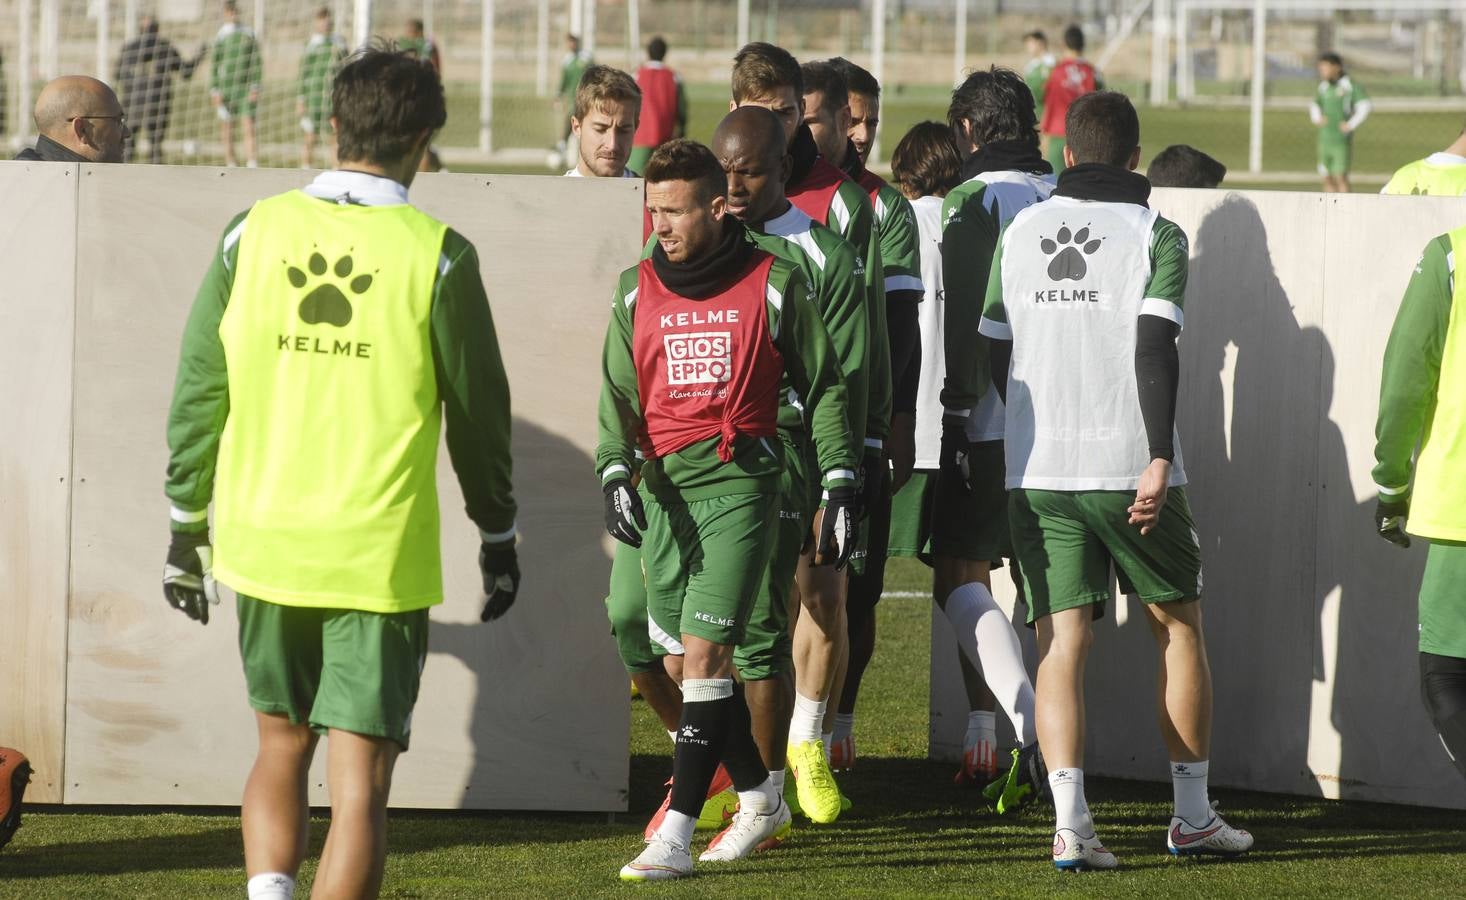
{"type": "Point", "coordinates": [956, 451]}
{"type": "Point", "coordinates": [1345, 127]}
{"type": "Point", "coordinates": [498, 563]}
{"type": "Point", "coordinates": [188, 576]}
{"type": "Point", "coordinates": [625, 516]}
{"type": "Point", "coordinates": [836, 528]}
{"type": "Point", "coordinates": [1389, 521]}
{"type": "Point", "coordinates": [869, 482]}
{"type": "Point", "coordinates": [1150, 495]}
{"type": "Point", "coordinates": [901, 447]}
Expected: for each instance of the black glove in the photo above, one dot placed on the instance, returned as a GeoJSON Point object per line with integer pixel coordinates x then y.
{"type": "Point", "coordinates": [625, 517]}
{"type": "Point", "coordinates": [837, 528]}
{"type": "Point", "coordinates": [188, 576]}
{"type": "Point", "coordinates": [1389, 521]}
{"type": "Point", "coordinates": [956, 450]}
{"type": "Point", "coordinates": [499, 565]}
{"type": "Point", "coordinates": [869, 481]}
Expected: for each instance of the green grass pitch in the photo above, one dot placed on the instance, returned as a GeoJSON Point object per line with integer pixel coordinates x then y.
{"type": "Point", "coordinates": [911, 833]}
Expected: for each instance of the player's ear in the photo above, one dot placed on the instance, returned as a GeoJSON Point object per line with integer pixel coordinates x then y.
{"type": "Point", "coordinates": [843, 119]}
{"type": "Point", "coordinates": [732, 105]}
{"type": "Point", "coordinates": [718, 207]}
{"type": "Point", "coordinates": [1068, 157]}
{"type": "Point", "coordinates": [575, 126]}
{"type": "Point", "coordinates": [1134, 160]}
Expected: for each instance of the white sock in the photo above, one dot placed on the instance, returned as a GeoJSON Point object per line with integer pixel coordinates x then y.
{"type": "Point", "coordinates": [827, 738]}
{"type": "Point", "coordinates": [762, 798]}
{"type": "Point", "coordinates": [987, 637]}
{"type": "Point", "coordinates": [1188, 787]}
{"type": "Point", "coordinates": [808, 718]}
{"type": "Point", "coordinates": [271, 886]}
{"type": "Point", "coordinates": [777, 777]}
{"type": "Point", "coordinates": [844, 725]}
{"type": "Point", "coordinates": [1070, 810]}
{"type": "Point", "coordinates": [672, 733]}
{"type": "Point", "coordinates": [678, 827]}
{"type": "Point", "coordinates": [981, 726]}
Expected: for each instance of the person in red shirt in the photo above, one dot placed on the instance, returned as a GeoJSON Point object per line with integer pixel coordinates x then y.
{"type": "Point", "coordinates": [1071, 79]}
{"type": "Point", "coordinates": [663, 105]}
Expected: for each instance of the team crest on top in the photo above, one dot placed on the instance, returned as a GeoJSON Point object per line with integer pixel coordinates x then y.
{"type": "Point", "coordinates": [327, 301]}
{"type": "Point", "coordinates": [1067, 251]}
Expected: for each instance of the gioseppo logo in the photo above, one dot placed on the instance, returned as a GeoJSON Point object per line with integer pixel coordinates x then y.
{"type": "Point", "coordinates": [701, 357]}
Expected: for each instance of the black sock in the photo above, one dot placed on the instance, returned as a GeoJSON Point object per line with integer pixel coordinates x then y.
{"type": "Point", "coordinates": [741, 758]}
{"type": "Point", "coordinates": [1443, 686]}
{"type": "Point", "coordinates": [701, 737]}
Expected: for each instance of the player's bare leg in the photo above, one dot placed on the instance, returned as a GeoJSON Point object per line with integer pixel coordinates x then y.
{"type": "Point", "coordinates": [770, 703]}
{"type": "Point", "coordinates": [226, 136]}
{"type": "Point", "coordinates": [662, 694]}
{"type": "Point", "coordinates": [250, 156]}
{"type": "Point", "coordinates": [275, 815]}
{"type": "Point", "coordinates": [307, 155]}
{"type": "Point", "coordinates": [1064, 639]}
{"type": "Point", "coordinates": [359, 774]}
{"type": "Point", "coordinates": [1183, 682]}
{"type": "Point", "coordinates": [820, 635]}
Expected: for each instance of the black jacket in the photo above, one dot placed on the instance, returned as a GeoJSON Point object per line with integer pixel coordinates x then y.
{"type": "Point", "coordinates": [47, 150]}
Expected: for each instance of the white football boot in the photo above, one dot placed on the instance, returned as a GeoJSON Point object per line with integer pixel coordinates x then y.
{"type": "Point", "coordinates": [1073, 853]}
{"type": "Point", "coordinates": [750, 832]}
{"type": "Point", "coordinates": [662, 859]}
{"type": "Point", "coordinates": [1215, 838]}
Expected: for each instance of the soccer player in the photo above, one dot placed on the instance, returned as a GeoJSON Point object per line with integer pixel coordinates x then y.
{"type": "Point", "coordinates": [1339, 107]}
{"type": "Point", "coordinates": [1184, 166]}
{"type": "Point", "coordinates": [768, 76]}
{"type": "Point", "coordinates": [1071, 78]}
{"type": "Point", "coordinates": [572, 67]}
{"type": "Point", "coordinates": [991, 117]}
{"type": "Point", "coordinates": [750, 145]}
{"type": "Point", "coordinates": [701, 335]}
{"type": "Point", "coordinates": [319, 64]}
{"type": "Point", "coordinates": [145, 70]}
{"type": "Point", "coordinates": [1036, 71]}
{"type": "Point", "coordinates": [897, 234]}
{"type": "Point", "coordinates": [234, 82]}
{"type": "Point", "coordinates": [607, 107]}
{"type": "Point", "coordinates": [1083, 307]}
{"type": "Point", "coordinates": [1440, 174]}
{"type": "Point", "coordinates": [663, 104]}
{"type": "Point", "coordinates": [417, 43]}
{"type": "Point", "coordinates": [1421, 493]}
{"type": "Point", "coordinates": [313, 431]}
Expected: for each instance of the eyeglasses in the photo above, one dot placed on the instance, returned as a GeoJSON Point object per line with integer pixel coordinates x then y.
{"type": "Point", "coordinates": [121, 119]}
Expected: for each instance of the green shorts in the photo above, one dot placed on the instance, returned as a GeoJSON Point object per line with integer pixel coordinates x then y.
{"type": "Point", "coordinates": [706, 561]}
{"type": "Point", "coordinates": [911, 516]}
{"type": "Point", "coordinates": [1067, 541]}
{"type": "Point", "coordinates": [639, 156]}
{"type": "Point", "coordinates": [334, 668]}
{"type": "Point", "coordinates": [972, 525]}
{"type": "Point", "coordinates": [766, 649]}
{"type": "Point", "coordinates": [236, 105]}
{"type": "Point", "coordinates": [1443, 601]}
{"type": "Point", "coordinates": [1335, 155]}
{"type": "Point", "coordinates": [1056, 152]}
{"type": "Point", "coordinates": [626, 608]}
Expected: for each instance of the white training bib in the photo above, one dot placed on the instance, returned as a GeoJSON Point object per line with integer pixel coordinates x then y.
{"type": "Point", "coordinates": [930, 314]}
{"type": "Point", "coordinates": [1074, 279]}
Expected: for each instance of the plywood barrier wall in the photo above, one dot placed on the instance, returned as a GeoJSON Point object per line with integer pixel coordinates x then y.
{"type": "Point", "coordinates": [1310, 617]}
{"type": "Point", "coordinates": [149, 707]}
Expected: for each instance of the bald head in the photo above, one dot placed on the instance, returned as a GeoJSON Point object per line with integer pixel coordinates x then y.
{"type": "Point", "coordinates": [750, 145]}
{"type": "Point", "coordinates": [83, 115]}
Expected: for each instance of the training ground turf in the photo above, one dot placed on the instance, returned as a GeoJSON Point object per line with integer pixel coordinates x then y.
{"type": "Point", "coordinates": [911, 833]}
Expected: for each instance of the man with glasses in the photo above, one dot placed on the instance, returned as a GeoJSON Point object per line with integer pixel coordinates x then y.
{"type": "Point", "coordinates": [79, 119]}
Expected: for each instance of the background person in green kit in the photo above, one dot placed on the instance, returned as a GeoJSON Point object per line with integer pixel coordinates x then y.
{"type": "Point", "coordinates": [318, 66]}
{"type": "Point", "coordinates": [1339, 107]}
{"type": "Point", "coordinates": [234, 82]}
{"type": "Point", "coordinates": [330, 534]}
{"type": "Point", "coordinates": [1422, 404]}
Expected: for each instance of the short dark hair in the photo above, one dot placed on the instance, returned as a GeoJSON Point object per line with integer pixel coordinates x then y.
{"type": "Point", "coordinates": [383, 101]}
{"type": "Point", "coordinates": [230, 6]}
{"type": "Point", "coordinates": [656, 49]}
{"type": "Point", "coordinates": [1181, 165]}
{"type": "Point", "coordinates": [1074, 38]}
{"type": "Point", "coordinates": [926, 160]}
{"type": "Point", "coordinates": [760, 69]}
{"type": "Point", "coordinates": [823, 77]}
{"type": "Point", "coordinates": [1102, 127]}
{"type": "Point", "coordinates": [998, 106]}
{"type": "Point", "coordinates": [857, 79]}
{"type": "Point", "coordinates": [416, 25]}
{"type": "Point", "coordinates": [1036, 35]}
{"type": "Point", "coordinates": [1332, 57]}
{"type": "Point", "coordinates": [323, 12]}
{"type": "Point", "coordinates": [599, 84]}
{"type": "Point", "coordinates": [687, 160]}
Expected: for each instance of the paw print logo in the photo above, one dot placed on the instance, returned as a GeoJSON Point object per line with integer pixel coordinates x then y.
{"type": "Point", "coordinates": [1068, 250]}
{"type": "Point", "coordinates": [327, 301]}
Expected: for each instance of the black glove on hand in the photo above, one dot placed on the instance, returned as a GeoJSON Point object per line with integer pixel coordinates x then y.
{"type": "Point", "coordinates": [956, 450]}
{"type": "Point", "coordinates": [625, 517]}
{"type": "Point", "coordinates": [188, 576]}
{"type": "Point", "coordinates": [872, 464]}
{"type": "Point", "coordinates": [1389, 521]}
{"type": "Point", "coordinates": [499, 565]}
{"type": "Point", "coordinates": [837, 528]}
